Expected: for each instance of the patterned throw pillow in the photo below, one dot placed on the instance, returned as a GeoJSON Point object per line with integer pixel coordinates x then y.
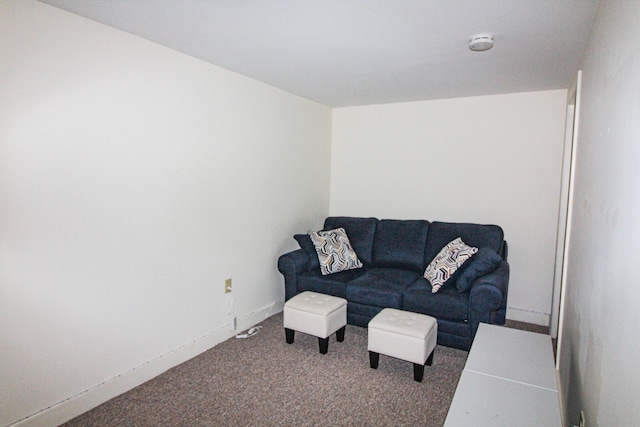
{"type": "Point", "coordinates": [334, 251]}
{"type": "Point", "coordinates": [448, 260]}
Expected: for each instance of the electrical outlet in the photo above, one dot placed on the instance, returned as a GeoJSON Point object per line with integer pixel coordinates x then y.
{"type": "Point", "coordinates": [227, 286]}
{"type": "Point", "coordinates": [583, 422]}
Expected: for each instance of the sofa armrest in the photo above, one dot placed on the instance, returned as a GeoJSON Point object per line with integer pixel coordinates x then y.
{"type": "Point", "coordinates": [290, 265]}
{"type": "Point", "coordinates": [504, 250]}
{"type": "Point", "coordinates": [488, 298]}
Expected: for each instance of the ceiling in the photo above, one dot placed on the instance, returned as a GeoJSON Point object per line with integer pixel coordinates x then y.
{"type": "Point", "coordinates": [360, 52]}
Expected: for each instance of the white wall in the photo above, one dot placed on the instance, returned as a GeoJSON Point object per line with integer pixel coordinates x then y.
{"type": "Point", "coordinates": [491, 159]}
{"type": "Point", "coordinates": [133, 181]}
{"type": "Point", "coordinates": [600, 337]}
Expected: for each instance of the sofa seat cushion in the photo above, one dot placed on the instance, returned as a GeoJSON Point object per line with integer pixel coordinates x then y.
{"type": "Point", "coordinates": [334, 284]}
{"type": "Point", "coordinates": [448, 303]}
{"type": "Point", "coordinates": [400, 244]}
{"type": "Point", "coordinates": [361, 232]}
{"type": "Point", "coordinates": [381, 287]}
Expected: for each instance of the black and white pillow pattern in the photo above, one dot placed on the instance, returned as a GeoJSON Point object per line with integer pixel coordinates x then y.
{"type": "Point", "coordinates": [334, 251]}
{"type": "Point", "coordinates": [448, 260]}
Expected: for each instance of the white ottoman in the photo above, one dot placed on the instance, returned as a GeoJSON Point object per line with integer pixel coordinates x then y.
{"type": "Point", "coordinates": [403, 335]}
{"type": "Point", "coordinates": [315, 314]}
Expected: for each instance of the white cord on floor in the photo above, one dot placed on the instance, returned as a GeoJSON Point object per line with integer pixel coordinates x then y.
{"type": "Point", "coordinates": [251, 332]}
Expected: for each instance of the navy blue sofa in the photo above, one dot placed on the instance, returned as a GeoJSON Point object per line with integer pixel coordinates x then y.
{"type": "Point", "coordinates": [395, 254]}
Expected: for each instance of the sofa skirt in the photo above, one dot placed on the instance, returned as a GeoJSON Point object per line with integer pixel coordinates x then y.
{"type": "Point", "coordinates": [454, 334]}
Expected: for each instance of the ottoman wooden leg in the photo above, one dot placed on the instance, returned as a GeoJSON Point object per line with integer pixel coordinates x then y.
{"type": "Point", "coordinates": [340, 334]}
{"type": "Point", "coordinates": [430, 359]}
{"type": "Point", "coordinates": [289, 334]}
{"type": "Point", "coordinates": [323, 343]}
{"type": "Point", "coordinates": [418, 372]}
{"type": "Point", "coordinates": [374, 358]}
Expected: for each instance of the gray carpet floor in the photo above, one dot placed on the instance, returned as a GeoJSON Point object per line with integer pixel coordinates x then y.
{"type": "Point", "coordinates": [262, 381]}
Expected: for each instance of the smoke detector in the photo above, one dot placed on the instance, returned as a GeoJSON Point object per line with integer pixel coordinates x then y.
{"type": "Point", "coordinates": [481, 42]}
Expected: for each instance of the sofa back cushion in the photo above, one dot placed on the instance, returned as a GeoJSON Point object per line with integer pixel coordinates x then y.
{"type": "Point", "coordinates": [360, 231]}
{"type": "Point", "coordinates": [400, 244]}
{"type": "Point", "coordinates": [476, 235]}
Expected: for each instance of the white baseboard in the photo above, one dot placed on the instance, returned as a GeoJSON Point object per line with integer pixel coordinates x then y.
{"type": "Point", "coordinates": [250, 319]}
{"type": "Point", "coordinates": [84, 401]}
{"type": "Point", "coordinates": [528, 316]}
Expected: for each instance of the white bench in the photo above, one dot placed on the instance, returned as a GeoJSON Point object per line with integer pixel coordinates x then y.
{"type": "Point", "coordinates": [509, 379]}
